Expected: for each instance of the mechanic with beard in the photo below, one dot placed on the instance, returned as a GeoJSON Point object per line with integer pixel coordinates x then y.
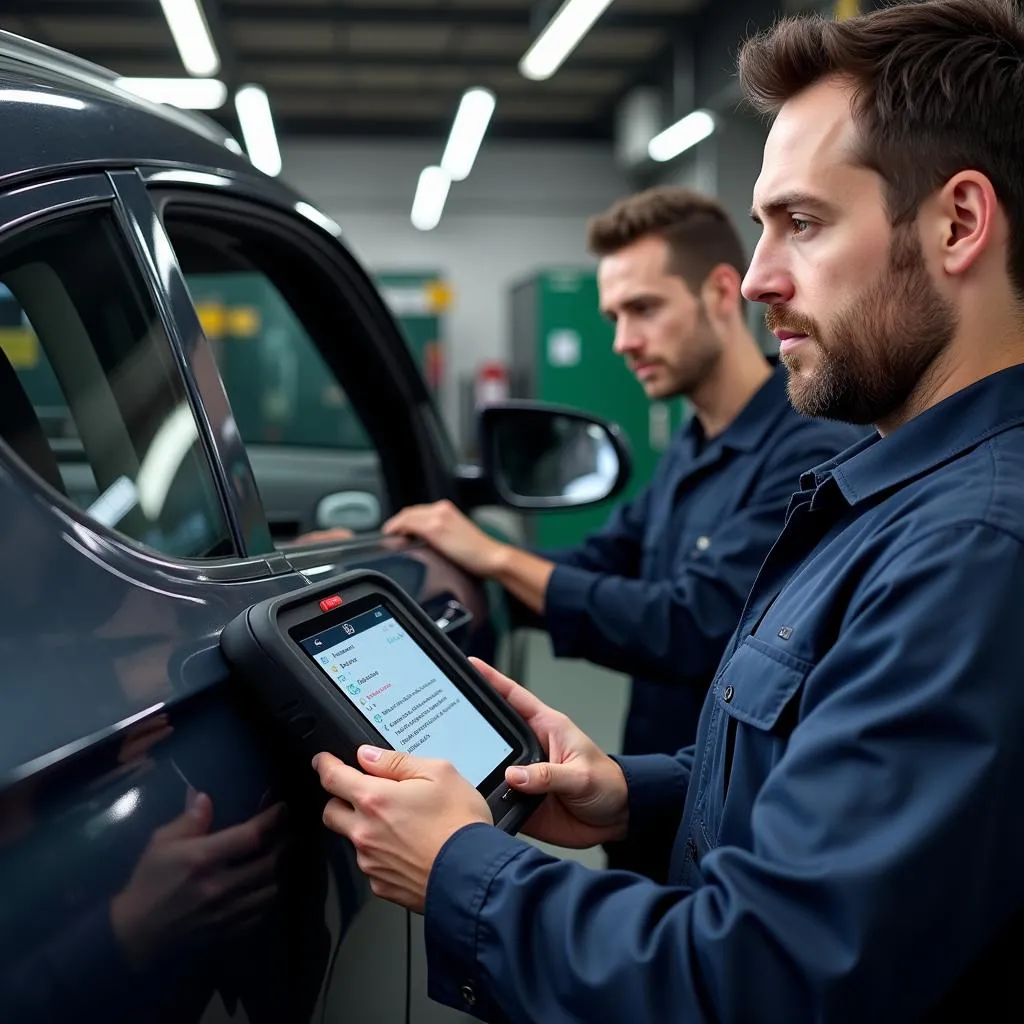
{"type": "Point", "coordinates": [846, 835]}
{"type": "Point", "coordinates": [657, 592]}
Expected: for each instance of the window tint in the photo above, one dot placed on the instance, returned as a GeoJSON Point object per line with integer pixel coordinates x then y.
{"type": "Point", "coordinates": [90, 395]}
{"type": "Point", "coordinates": [281, 390]}
{"type": "Point", "coordinates": [313, 400]}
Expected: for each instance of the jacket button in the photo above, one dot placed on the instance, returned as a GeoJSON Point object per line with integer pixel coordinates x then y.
{"type": "Point", "coordinates": [703, 543]}
{"type": "Point", "coordinates": [727, 696]}
{"type": "Point", "coordinates": [468, 995]}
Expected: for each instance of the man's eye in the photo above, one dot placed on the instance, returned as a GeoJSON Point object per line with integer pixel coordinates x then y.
{"type": "Point", "coordinates": [799, 226]}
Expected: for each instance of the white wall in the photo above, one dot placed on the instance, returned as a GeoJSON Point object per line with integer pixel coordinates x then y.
{"type": "Point", "coordinates": [524, 207]}
{"type": "Point", "coordinates": [727, 166]}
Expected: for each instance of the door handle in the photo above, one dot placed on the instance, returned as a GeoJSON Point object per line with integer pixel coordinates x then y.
{"type": "Point", "coordinates": [455, 615]}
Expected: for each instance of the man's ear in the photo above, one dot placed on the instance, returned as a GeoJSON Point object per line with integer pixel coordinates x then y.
{"type": "Point", "coordinates": [968, 214]}
{"type": "Point", "coordinates": [720, 292]}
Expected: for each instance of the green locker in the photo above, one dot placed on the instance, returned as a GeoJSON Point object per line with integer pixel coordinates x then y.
{"type": "Point", "coordinates": [562, 352]}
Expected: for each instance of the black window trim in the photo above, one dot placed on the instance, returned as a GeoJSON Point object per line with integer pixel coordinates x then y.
{"type": "Point", "coordinates": [133, 202]}
{"type": "Point", "coordinates": [28, 208]}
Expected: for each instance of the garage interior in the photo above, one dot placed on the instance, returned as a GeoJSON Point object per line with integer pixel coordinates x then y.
{"type": "Point", "coordinates": [363, 95]}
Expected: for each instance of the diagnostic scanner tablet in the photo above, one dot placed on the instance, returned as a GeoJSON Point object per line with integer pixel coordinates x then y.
{"type": "Point", "coordinates": [354, 660]}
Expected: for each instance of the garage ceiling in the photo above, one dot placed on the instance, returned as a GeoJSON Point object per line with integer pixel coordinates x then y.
{"type": "Point", "coordinates": [380, 67]}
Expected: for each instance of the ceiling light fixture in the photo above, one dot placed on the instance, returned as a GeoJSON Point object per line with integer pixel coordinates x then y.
{"type": "Point", "coordinates": [192, 36]}
{"type": "Point", "coordinates": [258, 132]}
{"type": "Point", "coordinates": [431, 194]}
{"type": "Point", "coordinates": [681, 136]}
{"type": "Point", "coordinates": [37, 97]}
{"type": "Point", "coordinates": [468, 130]}
{"type": "Point", "coordinates": [189, 93]}
{"type": "Point", "coordinates": [560, 37]}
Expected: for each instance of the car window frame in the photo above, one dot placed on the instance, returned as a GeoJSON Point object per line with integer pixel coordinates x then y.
{"type": "Point", "coordinates": [24, 207]}
{"type": "Point", "coordinates": [422, 470]}
{"type": "Point", "coordinates": [224, 448]}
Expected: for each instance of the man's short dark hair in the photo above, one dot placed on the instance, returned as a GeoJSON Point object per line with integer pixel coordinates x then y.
{"type": "Point", "coordinates": [699, 233]}
{"type": "Point", "coordinates": [939, 89]}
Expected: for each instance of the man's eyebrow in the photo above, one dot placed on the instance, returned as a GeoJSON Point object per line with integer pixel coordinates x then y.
{"type": "Point", "coordinates": [788, 200]}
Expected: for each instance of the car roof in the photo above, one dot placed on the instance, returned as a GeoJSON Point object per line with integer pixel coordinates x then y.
{"type": "Point", "coordinates": [90, 120]}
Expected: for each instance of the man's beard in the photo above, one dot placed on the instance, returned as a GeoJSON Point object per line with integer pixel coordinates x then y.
{"type": "Point", "coordinates": [872, 355]}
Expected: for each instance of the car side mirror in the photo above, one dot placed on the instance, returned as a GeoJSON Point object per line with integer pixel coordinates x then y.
{"type": "Point", "coordinates": [541, 457]}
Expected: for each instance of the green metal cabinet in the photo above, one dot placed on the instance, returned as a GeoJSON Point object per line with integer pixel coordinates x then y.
{"type": "Point", "coordinates": [561, 352]}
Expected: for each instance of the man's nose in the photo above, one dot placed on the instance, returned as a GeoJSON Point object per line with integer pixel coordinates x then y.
{"type": "Point", "coordinates": [766, 279]}
{"type": "Point", "coordinates": [626, 340]}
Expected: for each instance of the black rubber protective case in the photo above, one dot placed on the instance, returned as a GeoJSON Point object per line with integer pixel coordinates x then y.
{"type": "Point", "coordinates": [301, 699]}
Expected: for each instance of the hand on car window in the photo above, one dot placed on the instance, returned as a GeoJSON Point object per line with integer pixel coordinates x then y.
{"type": "Point", "coordinates": [451, 533]}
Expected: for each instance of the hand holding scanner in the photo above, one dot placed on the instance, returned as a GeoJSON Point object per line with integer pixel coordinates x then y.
{"type": "Point", "coordinates": [355, 660]}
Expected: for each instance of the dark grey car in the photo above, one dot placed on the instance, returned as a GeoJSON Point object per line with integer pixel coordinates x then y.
{"type": "Point", "coordinates": [160, 858]}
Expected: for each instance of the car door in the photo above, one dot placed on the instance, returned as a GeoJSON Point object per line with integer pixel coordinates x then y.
{"type": "Point", "coordinates": [159, 858]}
{"type": "Point", "coordinates": [333, 413]}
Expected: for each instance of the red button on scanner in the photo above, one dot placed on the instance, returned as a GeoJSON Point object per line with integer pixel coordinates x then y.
{"type": "Point", "coordinates": [328, 604]}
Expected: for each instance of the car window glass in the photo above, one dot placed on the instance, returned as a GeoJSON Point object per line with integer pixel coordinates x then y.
{"type": "Point", "coordinates": [267, 311]}
{"type": "Point", "coordinates": [281, 390]}
{"type": "Point", "coordinates": [91, 398]}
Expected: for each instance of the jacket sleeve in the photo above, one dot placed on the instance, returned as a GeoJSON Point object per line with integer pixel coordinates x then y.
{"type": "Point", "coordinates": [617, 547]}
{"type": "Point", "coordinates": [885, 846]}
{"type": "Point", "coordinates": [657, 793]}
{"type": "Point", "coordinates": [676, 628]}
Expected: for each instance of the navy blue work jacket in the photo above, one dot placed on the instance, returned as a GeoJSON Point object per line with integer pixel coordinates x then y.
{"type": "Point", "coordinates": [658, 592]}
{"type": "Point", "coordinates": [847, 834]}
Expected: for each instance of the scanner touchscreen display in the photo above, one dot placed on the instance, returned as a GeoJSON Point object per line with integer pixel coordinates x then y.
{"type": "Point", "coordinates": [374, 662]}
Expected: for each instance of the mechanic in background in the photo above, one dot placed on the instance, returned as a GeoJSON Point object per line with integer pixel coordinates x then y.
{"type": "Point", "coordinates": [658, 591]}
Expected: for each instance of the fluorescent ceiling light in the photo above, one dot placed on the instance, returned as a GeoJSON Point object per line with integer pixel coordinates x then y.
{"type": "Point", "coordinates": [190, 93]}
{"type": "Point", "coordinates": [679, 137]}
{"type": "Point", "coordinates": [468, 130]}
{"type": "Point", "coordinates": [560, 37]}
{"type": "Point", "coordinates": [192, 36]}
{"type": "Point", "coordinates": [258, 129]}
{"type": "Point", "coordinates": [40, 98]}
{"type": "Point", "coordinates": [431, 193]}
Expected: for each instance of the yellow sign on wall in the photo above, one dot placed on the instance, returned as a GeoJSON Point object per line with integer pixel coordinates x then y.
{"type": "Point", "coordinates": [21, 346]}
{"type": "Point", "coordinates": [238, 321]}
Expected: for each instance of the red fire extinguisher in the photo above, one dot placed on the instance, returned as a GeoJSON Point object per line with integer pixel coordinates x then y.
{"type": "Point", "coordinates": [492, 384]}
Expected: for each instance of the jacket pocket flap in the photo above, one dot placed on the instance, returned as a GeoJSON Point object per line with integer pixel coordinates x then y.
{"type": "Point", "coordinates": [759, 682]}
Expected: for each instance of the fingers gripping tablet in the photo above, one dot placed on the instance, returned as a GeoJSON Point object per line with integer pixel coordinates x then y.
{"type": "Point", "coordinates": [355, 660]}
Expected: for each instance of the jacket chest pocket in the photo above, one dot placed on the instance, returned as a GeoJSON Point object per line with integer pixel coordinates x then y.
{"type": "Point", "coordinates": [672, 544]}
{"type": "Point", "coordinates": [756, 697]}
